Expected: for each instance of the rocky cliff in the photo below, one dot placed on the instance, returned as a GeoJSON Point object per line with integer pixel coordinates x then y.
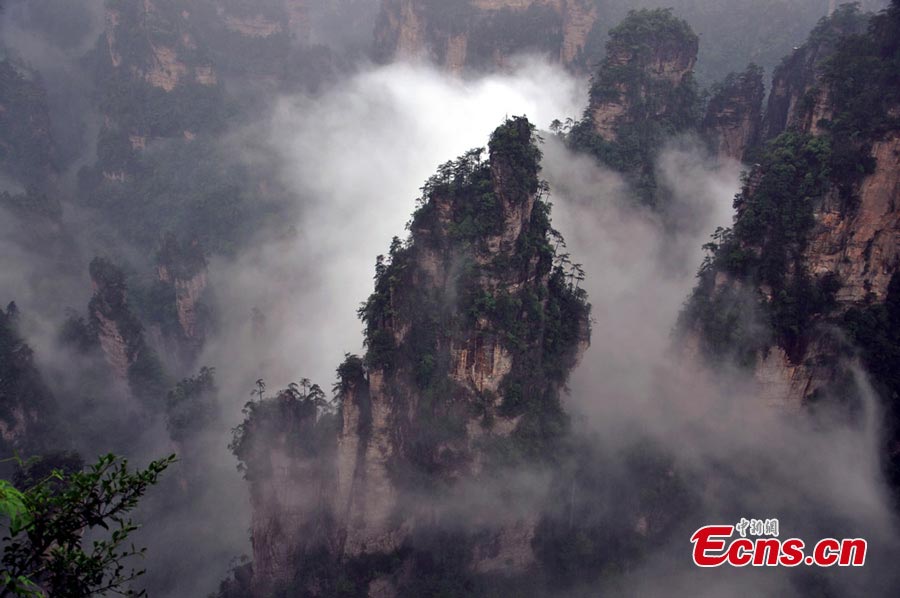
{"type": "Point", "coordinates": [471, 332]}
{"type": "Point", "coordinates": [734, 114]}
{"type": "Point", "coordinates": [642, 95]}
{"type": "Point", "coordinates": [183, 267]}
{"type": "Point", "coordinates": [461, 34]}
{"type": "Point", "coordinates": [650, 57]}
{"type": "Point", "coordinates": [121, 334]}
{"type": "Point", "coordinates": [798, 99]}
{"type": "Point", "coordinates": [815, 237]}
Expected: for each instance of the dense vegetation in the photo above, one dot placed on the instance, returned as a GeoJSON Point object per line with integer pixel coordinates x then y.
{"type": "Point", "coordinates": [734, 32]}
{"type": "Point", "coordinates": [66, 532]}
{"type": "Point", "coordinates": [295, 420]}
{"type": "Point", "coordinates": [656, 107]}
{"type": "Point", "coordinates": [191, 405]}
{"type": "Point", "coordinates": [864, 90]}
{"type": "Point", "coordinates": [461, 215]}
{"type": "Point", "coordinates": [764, 249]}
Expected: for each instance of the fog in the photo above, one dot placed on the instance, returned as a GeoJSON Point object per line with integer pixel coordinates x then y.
{"type": "Point", "coordinates": [353, 158]}
{"type": "Point", "coordinates": [742, 458]}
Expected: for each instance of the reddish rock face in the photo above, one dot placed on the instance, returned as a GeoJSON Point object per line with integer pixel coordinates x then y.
{"type": "Point", "coordinates": [863, 247]}
{"type": "Point", "coordinates": [854, 239]}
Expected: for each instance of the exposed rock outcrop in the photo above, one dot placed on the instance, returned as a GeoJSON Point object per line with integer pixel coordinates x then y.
{"type": "Point", "coordinates": [817, 230]}
{"type": "Point", "coordinates": [798, 98]}
{"type": "Point", "coordinates": [862, 246]}
{"type": "Point", "coordinates": [734, 114]}
{"type": "Point", "coordinates": [484, 33]}
{"type": "Point", "coordinates": [642, 96]}
{"type": "Point", "coordinates": [471, 333]}
{"type": "Point", "coordinates": [162, 56]}
{"type": "Point", "coordinates": [118, 330]}
{"type": "Point", "coordinates": [183, 266]}
{"type": "Point", "coordinates": [650, 57]}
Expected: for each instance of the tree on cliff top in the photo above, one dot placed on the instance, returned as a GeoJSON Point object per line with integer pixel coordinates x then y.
{"type": "Point", "coordinates": [295, 420]}
{"type": "Point", "coordinates": [656, 106]}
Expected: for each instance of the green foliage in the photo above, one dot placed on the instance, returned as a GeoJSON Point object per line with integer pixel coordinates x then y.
{"type": "Point", "coordinates": [190, 189]}
{"type": "Point", "coordinates": [146, 377]}
{"type": "Point", "coordinates": [68, 535]}
{"type": "Point", "coordinates": [466, 183]}
{"type": "Point", "coordinates": [777, 215]}
{"type": "Point", "coordinates": [861, 76]}
{"type": "Point", "coordinates": [141, 108]}
{"type": "Point", "coordinates": [538, 29]}
{"type": "Point", "coordinates": [656, 108]}
{"type": "Point", "coordinates": [765, 249]}
{"type": "Point", "coordinates": [542, 323]}
{"type": "Point", "coordinates": [644, 30]}
{"type": "Point", "coordinates": [191, 405]}
{"type": "Point", "coordinates": [775, 212]}
{"type": "Point", "coordinates": [296, 420]}
{"type": "Point", "coordinates": [351, 372]}
{"type": "Point", "coordinates": [515, 151]}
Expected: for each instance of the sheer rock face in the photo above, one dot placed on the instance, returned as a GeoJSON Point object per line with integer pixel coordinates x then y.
{"type": "Point", "coordinates": [290, 490]}
{"type": "Point", "coordinates": [661, 64]}
{"type": "Point", "coordinates": [388, 458]}
{"type": "Point", "coordinates": [286, 515]}
{"type": "Point", "coordinates": [483, 32]}
{"type": "Point", "coordinates": [734, 114]}
{"type": "Point", "coordinates": [118, 330]}
{"type": "Point", "coordinates": [863, 247]}
{"type": "Point", "coordinates": [184, 267]}
{"type": "Point", "coordinates": [377, 417]}
{"type": "Point", "coordinates": [799, 98]}
{"type": "Point", "coordinates": [855, 235]}
{"type": "Point", "coordinates": [134, 43]}
{"type": "Point", "coordinates": [170, 44]}
{"type": "Point", "coordinates": [792, 100]}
